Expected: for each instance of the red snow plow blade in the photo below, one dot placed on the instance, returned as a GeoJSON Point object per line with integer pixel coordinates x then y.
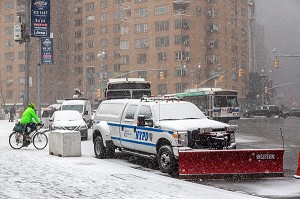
{"type": "Point", "coordinates": [231, 163]}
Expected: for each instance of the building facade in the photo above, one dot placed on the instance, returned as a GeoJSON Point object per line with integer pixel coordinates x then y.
{"type": "Point", "coordinates": [193, 42]}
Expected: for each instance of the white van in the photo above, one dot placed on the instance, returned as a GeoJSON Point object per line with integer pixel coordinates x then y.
{"type": "Point", "coordinates": [83, 106]}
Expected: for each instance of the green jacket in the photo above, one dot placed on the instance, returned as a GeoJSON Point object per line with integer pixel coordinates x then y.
{"type": "Point", "coordinates": [28, 115]}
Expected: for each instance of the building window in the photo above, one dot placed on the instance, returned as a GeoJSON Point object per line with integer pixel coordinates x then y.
{"type": "Point", "coordinates": [162, 56]}
{"type": "Point", "coordinates": [78, 46]}
{"type": "Point", "coordinates": [8, 31]}
{"type": "Point", "coordinates": [103, 30]}
{"type": "Point", "coordinates": [78, 58]}
{"type": "Point", "coordinates": [182, 40]}
{"type": "Point", "coordinates": [141, 58]}
{"type": "Point", "coordinates": [78, 22]}
{"type": "Point", "coordinates": [142, 43]}
{"type": "Point", "coordinates": [89, 56]}
{"type": "Point", "coordinates": [103, 17]}
{"type": "Point", "coordinates": [181, 24]}
{"type": "Point", "coordinates": [9, 5]}
{"type": "Point", "coordinates": [90, 44]}
{"type": "Point", "coordinates": [162, 89]}
{"type": "Point", "coordinates": [161, 41]}
{"type": "Point", "coordinates": [180, 87]}
{"type": "Point", "coordinates": [182, 56]}
{"type": "Point", "coordinates": [78, 70]}
{"type": "Point", "coordinates": [21, 68]}
{"type": "Point", "coordinates": [162, 25]}
{"type": "Point", "coordinates": [78, 34]}
{"type": "Point", "coordinates": [90, 6]}
{"type": "Point", "coordinates": [9, 94]}
{"type": "Point", "coordinates": [103, 42]}
{"type": "Point", "coordinates": [141, 28]}
{"type": "Point", "coordinates": [90, 31]}
{"type": "Point", "coordinates": [180, 72]}
{"type": "Point", "coordinates": [117, 41]}
{"type": "Point", "coordinates": [21, 81]}
{"type": "Point", "coordinates": [9, 56]}
{"type": "Point", "coordinates": [103, 4]}
{"type": "Point", "coordinates": [21, 55]}
{"type": "Point", "coordinates": [162, 10]}
{"type": "Point", "coordinates": [117, 67]}
{"type": "Point", "coordinates": [9, 68]}
{"type": "Point", "coordinates": [124, 44]}
{"type": "Point", "coordinates": [90, 81]}
{"type": "Point", "coordinates": [9, 18]}
{"type": "Point", "coordinates": [124, 30]}
{"type": "Point", "coordinates": [125, 59]}
{"type": "Point", "coordinates": [143, 12]}
{"type": "Point", "coordinates": [90, 18]}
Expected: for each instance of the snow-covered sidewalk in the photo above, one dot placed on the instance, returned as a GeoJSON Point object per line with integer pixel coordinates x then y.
{"type": "Point", "coordinates": [32, 174]}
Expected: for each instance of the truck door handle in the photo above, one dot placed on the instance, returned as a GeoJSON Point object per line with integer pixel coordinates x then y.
{"type": "Point", "coordinates": [134, 129]}
{"type": "Point", "coordinates": [122, 128]}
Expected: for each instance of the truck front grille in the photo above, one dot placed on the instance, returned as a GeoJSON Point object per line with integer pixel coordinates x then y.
{"type": "Point", "coordinates": [197, 140]}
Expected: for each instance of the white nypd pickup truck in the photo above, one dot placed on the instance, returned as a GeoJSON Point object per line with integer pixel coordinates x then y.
{"type": "Point", "coordinates": [157, 128]}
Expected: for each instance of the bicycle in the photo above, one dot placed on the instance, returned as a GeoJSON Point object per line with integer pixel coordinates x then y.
{"type": "Point", "coordinates": [17, 140]}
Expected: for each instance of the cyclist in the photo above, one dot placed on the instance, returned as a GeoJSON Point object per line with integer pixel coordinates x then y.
{"type": "Point", "coordinates": [27, 119]}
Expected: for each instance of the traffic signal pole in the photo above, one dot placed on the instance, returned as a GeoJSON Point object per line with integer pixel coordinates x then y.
{"type": "Point", "coordinates": [27, 53]}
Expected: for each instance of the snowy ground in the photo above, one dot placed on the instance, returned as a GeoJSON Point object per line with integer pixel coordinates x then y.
{"type": "Point", "coordinates": [32, 174]}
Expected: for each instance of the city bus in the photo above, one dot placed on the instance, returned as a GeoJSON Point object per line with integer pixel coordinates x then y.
{"type": "Point", "coordinates": [130, 88]}
{"type": "Point", "coordinates": [219, 104]}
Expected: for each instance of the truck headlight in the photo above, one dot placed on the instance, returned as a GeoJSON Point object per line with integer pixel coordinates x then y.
{"type": "Point", "coordinates": [231, 128]}
{"type": "Point", "coordinates": [181, 137]}
{"type": "Point", "coordinates": [205, 130]}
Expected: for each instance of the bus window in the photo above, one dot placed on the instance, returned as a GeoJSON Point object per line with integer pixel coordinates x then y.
{"type": "Point", "coordinates": [232, 101]}
{"type": "Point", "coordinates": [220, 101]}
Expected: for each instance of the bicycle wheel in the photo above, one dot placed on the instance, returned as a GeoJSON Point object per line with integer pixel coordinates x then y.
{"type": "Point", "coordinates": [40, 140]}
{"type": "Point", "coordinates": [16, 140]}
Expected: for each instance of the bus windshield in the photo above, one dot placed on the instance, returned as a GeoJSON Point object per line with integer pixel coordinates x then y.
{"type": "Point", "coordinates": [226, 101]}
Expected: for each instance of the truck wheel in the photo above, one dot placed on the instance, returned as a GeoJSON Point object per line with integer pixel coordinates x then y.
{"type": "Point", "coordinates": [166, 160]}
{"type": "Point", "coordinates": [99, 148]}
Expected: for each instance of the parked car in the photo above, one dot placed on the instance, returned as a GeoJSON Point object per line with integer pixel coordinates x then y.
{"type": "Point", "coordinates": [294, 112]}
{"type": "Point", "coordinates": [266, 110]}
{"type": "Point", "coordinates": [69, 120]}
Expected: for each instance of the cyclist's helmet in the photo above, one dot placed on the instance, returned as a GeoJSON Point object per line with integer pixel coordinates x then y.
{"type": "Point", "coordinates": [31, 105]}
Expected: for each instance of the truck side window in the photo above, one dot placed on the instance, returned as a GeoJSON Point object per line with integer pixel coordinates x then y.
{"type": "Point", "coordinates": [130, 112]}
{"type": "Point", "coordinates": [145, 110]}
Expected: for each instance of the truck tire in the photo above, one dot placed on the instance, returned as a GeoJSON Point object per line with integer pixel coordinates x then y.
{"type": "Point", "coordinates": [166, 160]}
{"type": "Point", "coordinates": [99, 148]}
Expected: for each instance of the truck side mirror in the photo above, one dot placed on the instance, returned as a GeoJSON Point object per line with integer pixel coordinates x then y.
{"type": "Point", "coordinates": [149, 122]}
{"type": "Point", "coordinates": [141, 120]}
{"type": "Point", "coordinates": [86, 113]}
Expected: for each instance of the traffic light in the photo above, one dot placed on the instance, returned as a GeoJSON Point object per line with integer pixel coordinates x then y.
{"type": "Point", "coordinates": [266, 89]}
{"type": "Point", "coordinates": [161, 75]}
{"type": "Point", "coordinates": [221, 78]}
{"type": "Point", "coordinates": [195, 86]}
{"type": "Point", "coordinates": [241, 72]}
{"type": "Point", "coordinates": [216, 83]}
{"type": "Point", "coordinates": [276, 62]}
{"type": "Point", "coordinates": [98, 93]}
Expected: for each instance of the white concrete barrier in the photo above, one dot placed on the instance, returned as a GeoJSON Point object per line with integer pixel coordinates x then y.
{"type": "Point", "coordinates": [65, 143]}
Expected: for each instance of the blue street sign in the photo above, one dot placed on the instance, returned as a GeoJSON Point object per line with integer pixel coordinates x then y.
{"type": "Point", "coordinates": [47, 50]}
{"type": "Point", "coordinates": [40, 18]}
